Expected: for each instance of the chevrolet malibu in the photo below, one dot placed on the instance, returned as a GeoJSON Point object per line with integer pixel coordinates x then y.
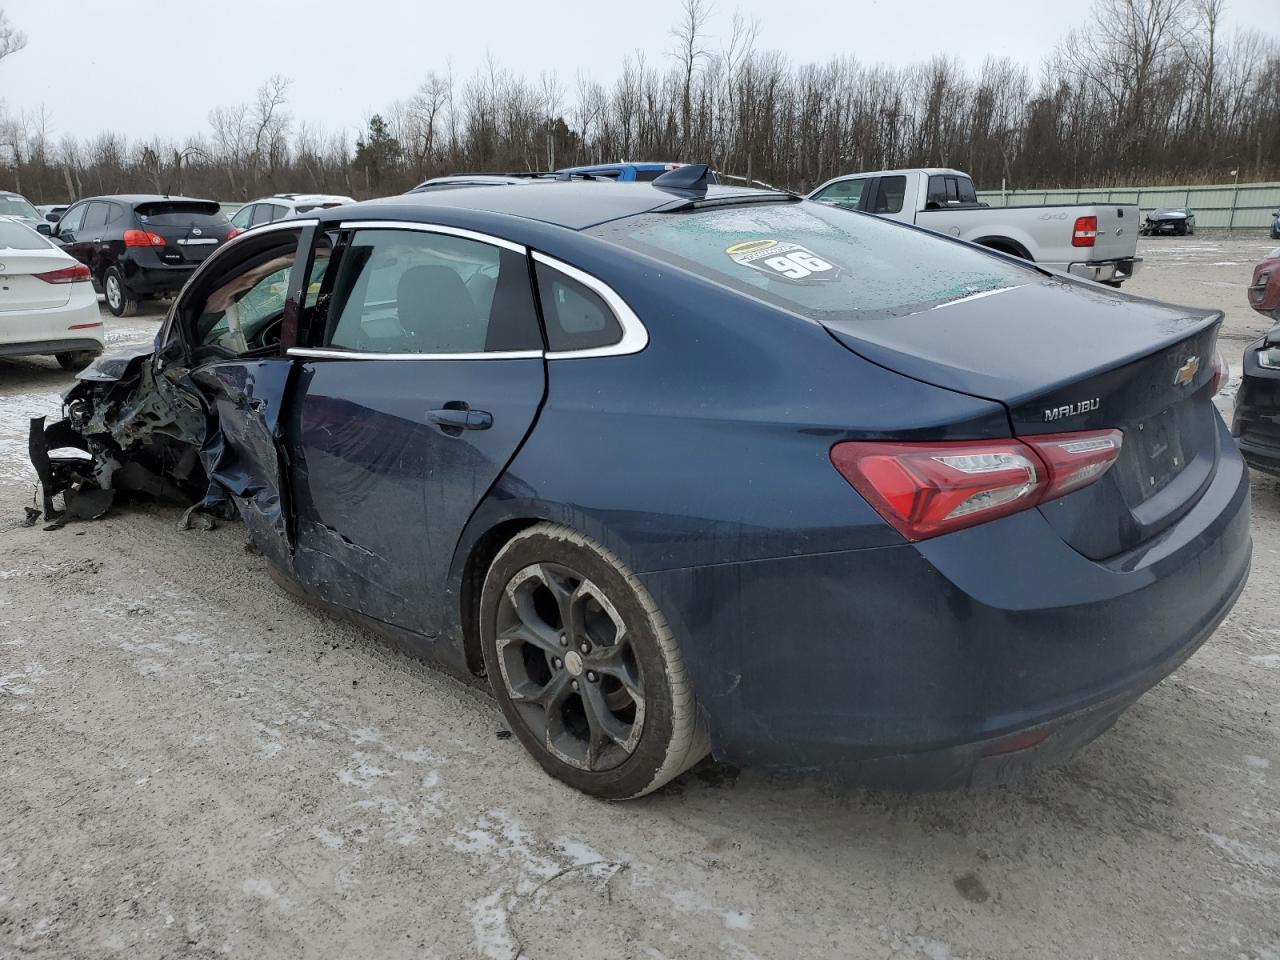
{"type": "Point", "coordinates": [681, 468]}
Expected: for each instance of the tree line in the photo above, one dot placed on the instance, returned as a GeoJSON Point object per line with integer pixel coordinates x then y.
{"type": "Point", "coordinates": [1148, 91]}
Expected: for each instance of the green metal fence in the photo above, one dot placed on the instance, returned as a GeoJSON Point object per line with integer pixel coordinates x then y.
{"type": "Point", "coordinates": [1233, 206]}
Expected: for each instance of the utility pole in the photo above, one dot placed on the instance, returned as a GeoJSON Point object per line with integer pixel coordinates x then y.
{"type": "Point", "coordinates": [1235, 192]}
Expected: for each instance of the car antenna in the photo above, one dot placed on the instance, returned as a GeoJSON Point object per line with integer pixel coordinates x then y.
{"type": "Point", "coordinates": [689, 180]}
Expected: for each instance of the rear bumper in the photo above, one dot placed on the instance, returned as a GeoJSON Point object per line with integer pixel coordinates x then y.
{"type": "Point", "coordinates": [45, 347]}
{"type": "Point", "coordinates": [155, 278]}
{"type": "Point", "coordinates": [1260, 457]}
{"type": "Point", "coordinates": [74, 325]}
{"type": "Point", "coordinates": [912, 666]}
{"type": "Point", "coordinates": [1106, 271]}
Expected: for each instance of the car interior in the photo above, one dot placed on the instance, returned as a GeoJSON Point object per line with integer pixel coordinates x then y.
{"type": "Point", "coordinates": [412, 292]}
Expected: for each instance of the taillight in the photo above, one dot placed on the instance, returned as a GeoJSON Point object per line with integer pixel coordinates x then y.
{"type": "Point", "coordinates": [1221, 374]}
{"type": "Point", "coordinates": [71, 274]}
{"type": "Point", "coordinates": [1075, 460]}
{"type": "Point", "coordinates": [235, 232]}
{"type": "Point", "coordinates": [143, 238]}
{"type": "Point", "coordinates": [1085, 233]}
{"type": "Point", "coordinates": [927, 489]}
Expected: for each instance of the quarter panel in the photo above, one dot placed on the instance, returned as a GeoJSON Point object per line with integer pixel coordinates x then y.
{"type": "Point", "coordinates": [712, 445]}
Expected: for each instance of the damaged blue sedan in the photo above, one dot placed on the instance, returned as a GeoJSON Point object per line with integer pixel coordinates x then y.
{"type": "Point", "coordinates": [685, 469]}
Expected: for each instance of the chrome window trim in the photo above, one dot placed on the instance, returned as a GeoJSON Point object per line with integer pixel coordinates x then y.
{"type": "Point", "coordinates": [634, 335]}
{"type": "Point", "coordinates": [325, 353]}
{"type": "Point", "coordinates": [434, 228]}
{"type": "Point", "coordinates": [261, 229]}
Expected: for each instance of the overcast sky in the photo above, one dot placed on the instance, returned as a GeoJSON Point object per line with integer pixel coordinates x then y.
{"type": "Point", "coordinates": [156, 67]}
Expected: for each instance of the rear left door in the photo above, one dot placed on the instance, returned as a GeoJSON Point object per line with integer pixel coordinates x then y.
{"type": "Point", "coordinates": [421, 375]}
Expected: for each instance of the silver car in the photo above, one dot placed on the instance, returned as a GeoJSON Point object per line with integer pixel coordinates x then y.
{"type": "Point", "coordinates": [282, 206]}
{"type": "Point", "coordinates": [19, 207]}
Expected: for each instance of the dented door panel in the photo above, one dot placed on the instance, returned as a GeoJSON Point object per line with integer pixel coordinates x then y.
{"type": "Point", "coordinates": [243, 455]}
{"type": "Point", "coordinates": [382, 490]}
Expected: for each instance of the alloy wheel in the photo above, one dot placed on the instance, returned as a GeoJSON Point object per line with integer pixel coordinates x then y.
{"type": "Point", "coordinates": [115, 296]}
{"type": "Point", "coordinates": [568, 666]}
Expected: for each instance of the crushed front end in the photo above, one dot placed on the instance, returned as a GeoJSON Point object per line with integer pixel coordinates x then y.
{"type": "Point", "coordinates": [126, 430]}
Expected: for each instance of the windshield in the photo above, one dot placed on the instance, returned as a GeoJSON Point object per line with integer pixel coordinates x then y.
{"type": "Point", "coordinates": [17, 207]}
{"type": "Point", "coordinates": [15, 236]}
{"type": "Point", "coordinates": [821, 262]}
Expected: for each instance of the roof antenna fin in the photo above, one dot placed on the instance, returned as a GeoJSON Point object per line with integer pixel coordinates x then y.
{"type": "Point", "coordinates": [689, 180]}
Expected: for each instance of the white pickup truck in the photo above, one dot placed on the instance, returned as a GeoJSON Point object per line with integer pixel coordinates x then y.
{"type": "Point", "coordinates": [1095, 241]}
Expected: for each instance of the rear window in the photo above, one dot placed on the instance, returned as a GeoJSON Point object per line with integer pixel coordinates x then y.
{"type": "Point", "coordinates": [17, 207]}
{"type": "Point", "coordinates": [170, 213]}
{"type": "Point", "coordinates": [14, 236]}
{"type": "Point", "coordinates": [821, 262]}
{"type": "Point", "coordinates": [576, 318]}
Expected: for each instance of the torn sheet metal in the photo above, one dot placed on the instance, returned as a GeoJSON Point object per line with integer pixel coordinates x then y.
{"type": "Point", "coordinates": [141, 432]}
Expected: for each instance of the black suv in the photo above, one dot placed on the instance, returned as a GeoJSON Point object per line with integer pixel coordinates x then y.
{"type": "Point", "coordinates": [140, 247]}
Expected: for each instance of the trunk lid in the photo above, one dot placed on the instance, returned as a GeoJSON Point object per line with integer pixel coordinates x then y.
{"type": "Point", "coordinates": [21, 290]}
{"type": "Point", "coordinates": [193, 229]}
{"type": "Point", "coordinates": [1066, 356]}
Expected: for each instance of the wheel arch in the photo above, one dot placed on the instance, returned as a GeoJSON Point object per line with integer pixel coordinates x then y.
{"type": "Point", "coordinates": [1006, 245]}
{"type": "Point", "coordinates": [491, 528]}
{"type": "Point", "coordinates": [470, 574]}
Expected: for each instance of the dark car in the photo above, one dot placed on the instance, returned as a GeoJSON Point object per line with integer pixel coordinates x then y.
{"type": "Point", "coordinates": [680, 468]}
{"type": "Point", "coordinates": [141, 247]}
{"type": "Point", "coordinates": [1169, 221]}
{"type": "Point", "coordinates": [1256, 422]}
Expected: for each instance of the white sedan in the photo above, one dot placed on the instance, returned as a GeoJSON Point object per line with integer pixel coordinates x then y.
{"type": "Point", "coordinates": [47, 303]}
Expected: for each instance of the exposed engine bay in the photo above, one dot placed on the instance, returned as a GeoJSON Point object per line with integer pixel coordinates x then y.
{"type": "Point", "coordinates": [142, 434]}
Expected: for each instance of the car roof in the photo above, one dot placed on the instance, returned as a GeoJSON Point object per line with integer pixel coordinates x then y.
{"type": "Point", "coordinates": [927, 171]}
{"type": "Point", "coordinates": [305, 198]}
{"type": "Point", "coordinates": [575, 205]}
{"type": "Point", "coordinates": [478, 179]}
{"type": "Point", "coordinates": [136, 198]}
{"type": "Point", "coordinates": [620, 164]}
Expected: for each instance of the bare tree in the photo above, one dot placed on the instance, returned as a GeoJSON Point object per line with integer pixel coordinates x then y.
{"type": "Point", "coordinates": [1154, 93]}
{"type": "Point", "coordinates": [11, 38]}
{"type": "Point", "coordinates": [690, 35]}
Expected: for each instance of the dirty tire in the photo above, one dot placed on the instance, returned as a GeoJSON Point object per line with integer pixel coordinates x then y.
{"type": "Point", "coordinates": [667, 740]}
{"type": "Point", "coordinates": [121, 301]}
{"type": "Point", "coordinates": [75, 360]}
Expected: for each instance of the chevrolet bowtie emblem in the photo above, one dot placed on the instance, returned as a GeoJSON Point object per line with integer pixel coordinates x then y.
{"type": "Point", "coordinates": [1187, 372]}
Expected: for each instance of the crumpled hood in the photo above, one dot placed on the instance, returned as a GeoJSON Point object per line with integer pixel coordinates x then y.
{"type": "Point", "coordinates": [111, 367]}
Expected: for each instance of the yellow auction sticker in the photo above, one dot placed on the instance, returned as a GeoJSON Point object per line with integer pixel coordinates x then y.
{"type": "Point", "coordinates": [750, 246]}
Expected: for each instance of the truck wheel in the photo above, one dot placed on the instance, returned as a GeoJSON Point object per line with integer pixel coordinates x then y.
{"type": "Point", "coordinates": [584, 666]}
{"type": "Point", "coordinates": [121, 301]}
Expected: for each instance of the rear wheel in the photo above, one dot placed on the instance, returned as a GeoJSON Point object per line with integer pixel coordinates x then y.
{"type": "Point", "coordinates": [584, 666]}
{"type": "Point", "coordinates": [121, 301]}
{"type": "Point", "coordinates": [75, 360]}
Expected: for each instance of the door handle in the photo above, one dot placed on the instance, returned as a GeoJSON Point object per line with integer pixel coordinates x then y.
{"type": "Point", "coordinates": [453, 420]}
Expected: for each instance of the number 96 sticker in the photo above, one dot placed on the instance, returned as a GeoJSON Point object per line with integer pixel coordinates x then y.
{"type": "Point", "coordinates": [783, 259]}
